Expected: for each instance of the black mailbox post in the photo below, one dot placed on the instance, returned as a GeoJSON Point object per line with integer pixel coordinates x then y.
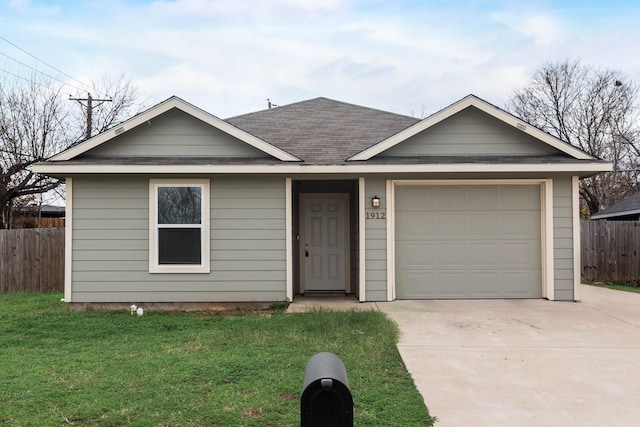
{"type": "Point", "coordinates": [326, 397]}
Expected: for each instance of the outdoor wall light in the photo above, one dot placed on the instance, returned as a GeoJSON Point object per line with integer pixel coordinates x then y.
{"type": "Point", "coordinates": [375, 202]}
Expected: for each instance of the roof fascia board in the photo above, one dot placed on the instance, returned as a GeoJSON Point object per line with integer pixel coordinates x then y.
{"type": "Point", "coordinates": [163, 107]}
{"type": "Point", "coordinates": [616, 214]}
{"type": "Point", "coordinates": [67, 169]}
{"type": "Point", "coordinates": [471, 101]}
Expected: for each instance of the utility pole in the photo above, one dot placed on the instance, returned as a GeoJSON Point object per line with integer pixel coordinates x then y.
{"type": "Point", "coordinates": [89, 99]}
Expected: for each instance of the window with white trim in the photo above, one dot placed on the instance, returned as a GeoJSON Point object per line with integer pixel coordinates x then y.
{"type": "Point", "coordinates": [179, 226]}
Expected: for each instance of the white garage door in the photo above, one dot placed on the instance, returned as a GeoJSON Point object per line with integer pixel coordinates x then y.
{"type": "Point", "coordinates": [468, 241]}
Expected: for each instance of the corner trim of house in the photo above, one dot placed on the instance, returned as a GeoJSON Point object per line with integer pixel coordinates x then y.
{"type": "Point", "coordinates": [68, 240]}
{"type": "Point", "coordinates": [362, 236]}
{"type": "Point", "coordinates": [289, 237]}
{"type": "Point", "coordinates": [391, 240]}
{"type": "Point", "coordinates": [577, 253]}
{"type": "Point", "coordinates": [548, 279]}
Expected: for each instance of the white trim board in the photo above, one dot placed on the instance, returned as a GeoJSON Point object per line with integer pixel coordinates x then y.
{"type": "Point", "coordinates": [577, 255]}
{"type": "Point", "coordinates": [59, 168]}
{"type": "Point", "coordinates": [362, 236]}
{"type": "Point", "coordinates": [289, 237]}
{"type": "Point", "coordinates": [391, 239]}
{"type": "Point", "coordinates": [68, 241]}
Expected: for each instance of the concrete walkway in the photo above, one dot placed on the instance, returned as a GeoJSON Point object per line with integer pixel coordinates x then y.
{"type": "Point", "coordinates": [350, 302]}
{"type": "Point", "coordinates": [525, 362]}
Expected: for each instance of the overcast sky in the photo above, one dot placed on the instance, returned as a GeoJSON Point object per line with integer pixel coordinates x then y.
{"type": "Point", "coordinates": [229, 56]}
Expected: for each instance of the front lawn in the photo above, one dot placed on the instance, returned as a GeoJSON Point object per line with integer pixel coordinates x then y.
{"type": "Point", "coordinates": [617, 286]}
{"type": "Point", "coordinates": [60, 368]}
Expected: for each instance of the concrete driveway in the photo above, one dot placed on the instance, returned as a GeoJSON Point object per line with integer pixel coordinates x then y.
{"type": "Point", "coordinates": [525, 362]}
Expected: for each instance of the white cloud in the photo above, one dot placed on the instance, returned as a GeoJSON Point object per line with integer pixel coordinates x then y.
{"type": "Point", "coordinates": [228, 56]}
{"type": "Point", "coordinates": [23, 6]}
{"type": "Point", "coordinates": [19, 4]}
{"type": "Point", "coordinates": [542, 29]}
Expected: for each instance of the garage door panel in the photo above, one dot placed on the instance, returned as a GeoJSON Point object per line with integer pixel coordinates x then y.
{"type": "Point", "coordinates": [417, 254]}
{"type": "Point", "coordinates": [487, 254]}
{"type": "Point", "coordinates": [446, 198]}
{"type": "Point", "coordinates": [415, 281]}
{"type": "Point", "coordinates": [484, 284]}
{"type": "Point", "coordinates": [417, 198]}
{"type": "Point", "coordinates": [519, 197]}
{"type": "Point", "coordinates": [483, 197]}
{"type": "Point", "coordinates": [449, 224]}
{"type": "Point", "coordinates": [454, 284]}
{"type": "Point", "coordinates": [482, 224]}
{"type": "Point", "coordinates": [518, 283]}
{"type": "Point", "coordinates": [520, 224]}
{"type": "Point", "coordinates": [519, 253]}
{"type": "Point", "coordinates": [450, 253]}
{"type": "Point", "coordinates": [456, 241]}
{"type": "Point", "coordinates": [416, 226]}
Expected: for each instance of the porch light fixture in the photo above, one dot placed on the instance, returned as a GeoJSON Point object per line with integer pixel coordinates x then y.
{"type": "Point", "coordinates": [375, 202]}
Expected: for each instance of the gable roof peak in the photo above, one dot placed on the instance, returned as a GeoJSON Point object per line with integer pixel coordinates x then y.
{"type": "Point", "coordinates": [322, 130]}
{"type": "Point", "coordinates": [488, 108]}
{"type": "Point", "coordinates": [175, 102]}
{"type": "Point", "coordinates": [317, 104]}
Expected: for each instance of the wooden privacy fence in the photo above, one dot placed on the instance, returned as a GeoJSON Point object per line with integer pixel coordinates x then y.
{"type": "Point", "coordinates": [610, 251]}
{"type": "Point", "coordinates": [32, 260]}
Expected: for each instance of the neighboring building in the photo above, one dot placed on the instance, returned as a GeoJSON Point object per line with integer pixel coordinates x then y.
{"type": "Point", "coordinates": [626, 210]}
{"type": "Point", "coordinates": [176, 205]}
{"type": "Point", "coordinates": [38, 216]}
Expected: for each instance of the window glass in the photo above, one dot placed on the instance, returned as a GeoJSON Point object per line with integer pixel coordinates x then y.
{"type": "Point", "coordinates": [179, 205]}
{"type": "Point", "coordinates": [179, 246]}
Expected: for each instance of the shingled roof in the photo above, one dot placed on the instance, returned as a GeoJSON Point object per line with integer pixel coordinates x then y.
{"type": "Point", "coordinates": [322, 131]}
{"type": "Point", "coordinates": [628, 208]}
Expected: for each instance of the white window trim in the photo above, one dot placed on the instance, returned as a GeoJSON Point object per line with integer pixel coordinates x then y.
{"type": "Point", "coordinates": [205, 255]}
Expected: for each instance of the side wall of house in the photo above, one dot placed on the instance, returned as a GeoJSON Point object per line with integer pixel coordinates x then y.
{"type": "Point", "coordinates": [174, 134]}
{"type": "Point", "coordinates": [375, 240]}
{"type": "Point", "coordinates": [563, 238]}
{"type": "Point", "coordinates": [468, 133]}
{"type": "Point", "coordinates": [111, 243]}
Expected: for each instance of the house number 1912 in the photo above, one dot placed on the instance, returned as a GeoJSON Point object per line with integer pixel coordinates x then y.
{"type": "Point", "coordinates": [376, 215]}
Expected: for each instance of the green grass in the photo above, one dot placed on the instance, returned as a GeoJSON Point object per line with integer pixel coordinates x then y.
{"type": "Point", "coordinates": [60, 368]}
{"type": "Point", "coordinates": [618, 286]}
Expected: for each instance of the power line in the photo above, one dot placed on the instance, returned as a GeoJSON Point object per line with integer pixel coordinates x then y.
{"type": "Point", "coordinates": [48, 65]}
{"type": "Point", "coordinates": [32, 81]}
{"type": "Point", "coordinates": [41, 72]}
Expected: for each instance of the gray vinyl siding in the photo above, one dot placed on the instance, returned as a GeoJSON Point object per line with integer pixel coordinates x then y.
{"type": "Point", "coordinates": [563, 238]}
{"type": "Point", "coordinates": [111, 246]}
{"type": "Point", "coordinates": [175, 133]}
{"type": "Point", "coordinates": [471, 132]}
{"type": "Point", "coordinates": [376, 241]}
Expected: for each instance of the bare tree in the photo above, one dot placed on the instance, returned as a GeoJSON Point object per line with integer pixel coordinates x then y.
{"type": "Point", "coordinates": [36, 122]}
{"type": "Point", "coordinates": [124, 102]}
{"type": "Point", "coordinates": [594, 110]}
{"type": "Point", "coordinates": [31, 130]}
